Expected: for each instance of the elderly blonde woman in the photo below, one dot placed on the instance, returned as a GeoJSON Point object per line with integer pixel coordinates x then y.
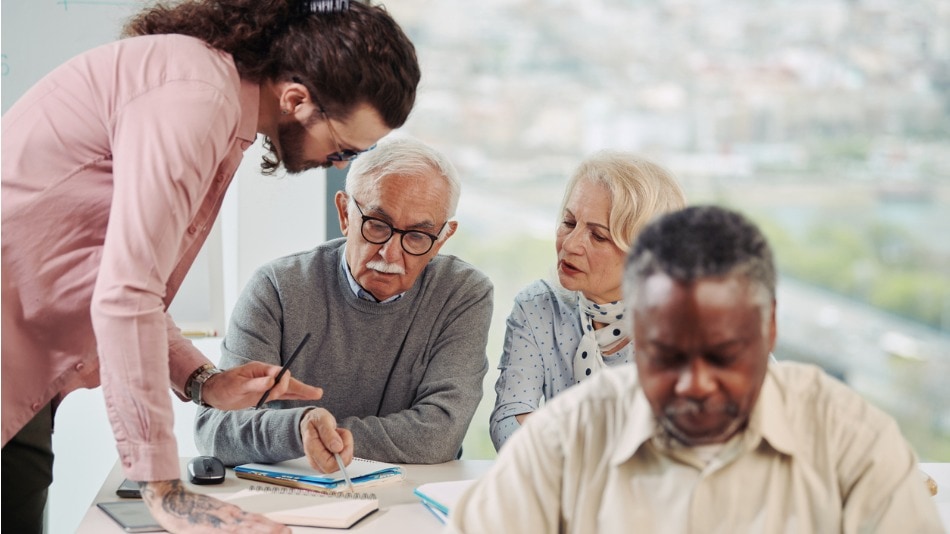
{"type": "Point", "coordinates": [560, 334]}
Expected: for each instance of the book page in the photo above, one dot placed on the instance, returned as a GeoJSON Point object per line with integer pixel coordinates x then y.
{"type": "Point", "coordinates": [443, 495]}
{"type": "Point", "coordinates": [306, 508]}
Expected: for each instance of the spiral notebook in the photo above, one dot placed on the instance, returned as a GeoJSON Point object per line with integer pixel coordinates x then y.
{"type": "Point", "coordinates": [294, 506]}
{"type": "Point", "coordinates": [297, 473]}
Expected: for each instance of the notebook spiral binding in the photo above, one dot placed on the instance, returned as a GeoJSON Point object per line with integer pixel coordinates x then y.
{"type": "Point", "coordinates": [283, 490]}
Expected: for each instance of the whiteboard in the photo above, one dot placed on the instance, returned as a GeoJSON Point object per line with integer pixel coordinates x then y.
{"type": "Point", "coordinates": [39, 35]}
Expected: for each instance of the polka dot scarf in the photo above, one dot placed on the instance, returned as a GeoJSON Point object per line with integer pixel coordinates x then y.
{"type": "Point", "coordinates": [589, 357]}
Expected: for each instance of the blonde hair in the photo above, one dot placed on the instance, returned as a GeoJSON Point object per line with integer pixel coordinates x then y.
{"type": "Point", "coordinates": [639, 191]}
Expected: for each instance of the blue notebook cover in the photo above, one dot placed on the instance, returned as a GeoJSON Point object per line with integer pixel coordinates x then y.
{"type": "Point", "coordinates": [298, 473]}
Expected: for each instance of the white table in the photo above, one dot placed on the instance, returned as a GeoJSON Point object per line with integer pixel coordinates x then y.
{"type": "Point", "coordinates": [399, 510]}
{"type": "Point", "coordinates": [940, 473]}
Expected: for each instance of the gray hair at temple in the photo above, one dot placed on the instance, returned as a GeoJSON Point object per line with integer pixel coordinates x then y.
{"type": "Point", "coordinates": [700, 242]}
{"type": "Point", "coordinates": [404, 155]}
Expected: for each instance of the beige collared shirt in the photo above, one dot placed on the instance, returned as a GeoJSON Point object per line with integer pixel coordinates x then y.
{"type": "Point", "coordinates": [815, 457]}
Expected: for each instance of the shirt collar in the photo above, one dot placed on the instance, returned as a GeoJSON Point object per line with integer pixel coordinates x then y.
{"type": "Point", "coordinates": [768, 420]}
{"type": "Point", "coordinates": [642, 426]}
{"type": "Point", "coordinates": [250, 104]}
{"type": "Point", "coordinates": [355, 286]}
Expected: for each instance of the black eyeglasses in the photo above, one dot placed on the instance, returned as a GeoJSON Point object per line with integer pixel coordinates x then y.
{"type": "Point", "coordinates": [341, 154]}
{"type": "Point", "coordinates": [378, 232]}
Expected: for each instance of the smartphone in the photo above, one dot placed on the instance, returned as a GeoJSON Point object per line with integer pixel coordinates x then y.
{"type": "Point", "coordinates": [132, 516]}
{"type": "Point", "coordinates": [129, 489]}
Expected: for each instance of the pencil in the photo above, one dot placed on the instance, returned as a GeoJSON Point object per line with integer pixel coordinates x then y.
{"type": "Point", "coordinates": [282, 371]}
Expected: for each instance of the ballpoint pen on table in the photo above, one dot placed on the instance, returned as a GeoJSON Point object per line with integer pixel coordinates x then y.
{"type": "Point", "coordinates": [339, 462]}
{"type": "Point", "coordinates": [282, 371]}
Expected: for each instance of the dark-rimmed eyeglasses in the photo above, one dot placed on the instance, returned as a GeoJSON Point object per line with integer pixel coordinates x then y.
{"type": "Point", "coordinates": [378, 232]}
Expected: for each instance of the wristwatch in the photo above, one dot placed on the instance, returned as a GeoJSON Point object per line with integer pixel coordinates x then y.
{"type": "Point", "coordinates": [197, 380]}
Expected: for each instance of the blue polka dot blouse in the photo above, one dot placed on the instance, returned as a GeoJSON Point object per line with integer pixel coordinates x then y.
{"type": "Point", "coordinates": [542, 335]}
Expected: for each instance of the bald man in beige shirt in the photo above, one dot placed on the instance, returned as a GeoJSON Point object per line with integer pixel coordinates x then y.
{"type": "Point", "coordinates": [703, 434]}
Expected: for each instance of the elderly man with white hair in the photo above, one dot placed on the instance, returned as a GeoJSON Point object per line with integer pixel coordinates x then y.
{"type": "Point", "coordinates": [398, 330]}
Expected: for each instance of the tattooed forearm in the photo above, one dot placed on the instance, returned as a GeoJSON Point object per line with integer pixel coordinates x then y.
{"type": "Point", "coordinates": [174, 499]}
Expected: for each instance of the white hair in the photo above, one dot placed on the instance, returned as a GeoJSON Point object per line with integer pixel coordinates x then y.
{"type": "Point", "coordinates": [403, 155]}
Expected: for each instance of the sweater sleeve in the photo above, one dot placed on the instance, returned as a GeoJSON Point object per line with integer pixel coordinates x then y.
{"type": "Point", "coordinates": [432, 429]}
{"type": "Point", "coordinates": [255, 333]}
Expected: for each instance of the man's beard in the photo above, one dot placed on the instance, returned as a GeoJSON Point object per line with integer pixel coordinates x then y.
{"type": "Point", "coordinates": [694, 408]}
{"type": "Point", "coordinates": [290, 139]}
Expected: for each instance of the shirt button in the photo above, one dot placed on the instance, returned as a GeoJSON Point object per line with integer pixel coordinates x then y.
{"type": "Point", "coordinates": [192, 229]}
{"type": "Point", "coordinates": [219, 177]}
{"type": "Point", "coordinates": [36, 406]}
{"type": "Point", "coordinates": [80, 366]}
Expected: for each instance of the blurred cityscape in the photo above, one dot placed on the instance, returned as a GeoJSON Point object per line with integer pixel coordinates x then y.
{"type": "Point", "coordinates": [826, 121]}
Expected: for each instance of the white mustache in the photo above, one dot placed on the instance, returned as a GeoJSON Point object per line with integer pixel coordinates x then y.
{"type": "Point", "coordinates": [383, 267]}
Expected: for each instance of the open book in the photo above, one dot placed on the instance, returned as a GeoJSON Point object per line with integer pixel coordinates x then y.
{"type": "Point", "coordinates": [298, 474]}
{"type": "Point", "coordinates": [292, 506]}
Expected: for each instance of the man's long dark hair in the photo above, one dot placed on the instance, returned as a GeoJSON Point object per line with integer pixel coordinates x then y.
{"type": "Point", "coordinates": [357, 55]}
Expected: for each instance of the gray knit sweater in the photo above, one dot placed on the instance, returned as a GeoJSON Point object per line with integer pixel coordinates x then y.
{"type": "Point", "coordinates": [405, 377]}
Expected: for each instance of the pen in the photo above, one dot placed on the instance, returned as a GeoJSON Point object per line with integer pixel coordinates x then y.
{"type": "Point", "coordinates": [339, 462]}
{"type": "Point", "coordinates": [282, 371]}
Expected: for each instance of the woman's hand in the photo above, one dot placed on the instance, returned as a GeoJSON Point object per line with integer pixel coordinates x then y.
{"type": "Point", "coordinates": [179, 510]}
{"type": "Point", "coordinates": [241, 387]}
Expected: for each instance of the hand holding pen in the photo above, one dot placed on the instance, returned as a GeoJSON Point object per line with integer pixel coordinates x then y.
{"type": "Point", "coordinates": [283, 370]}
{"type": "Point", "coordinates": [243, 386]}
{"type": "Point", "coordinates": [325, 445]}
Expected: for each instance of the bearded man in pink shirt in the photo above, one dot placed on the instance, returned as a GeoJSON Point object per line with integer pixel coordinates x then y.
{"type": "Point", "coordinates": [114, 168]}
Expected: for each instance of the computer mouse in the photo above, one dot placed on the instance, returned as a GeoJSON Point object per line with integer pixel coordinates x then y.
{"type": "Point", "coordinates": [205, 470]}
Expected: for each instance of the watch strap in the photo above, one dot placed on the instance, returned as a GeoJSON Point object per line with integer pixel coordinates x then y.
{"type": "Point", "coordinates": [197, 380]}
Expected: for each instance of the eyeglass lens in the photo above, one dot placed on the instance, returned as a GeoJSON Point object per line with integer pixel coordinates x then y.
{"type": "Point", "coordinates": [378, 231]}
{"type": "Point", "coordinates": [341, 154]}
{"type": "Point", "coordinates": [414, 242]}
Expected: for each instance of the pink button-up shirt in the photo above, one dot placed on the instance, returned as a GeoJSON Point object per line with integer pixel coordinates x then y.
{"type": "Point", "coordinates": [114, 169]}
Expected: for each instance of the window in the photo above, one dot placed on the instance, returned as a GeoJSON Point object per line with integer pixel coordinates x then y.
{"type": "Point", "coordinates": [826, 122]}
